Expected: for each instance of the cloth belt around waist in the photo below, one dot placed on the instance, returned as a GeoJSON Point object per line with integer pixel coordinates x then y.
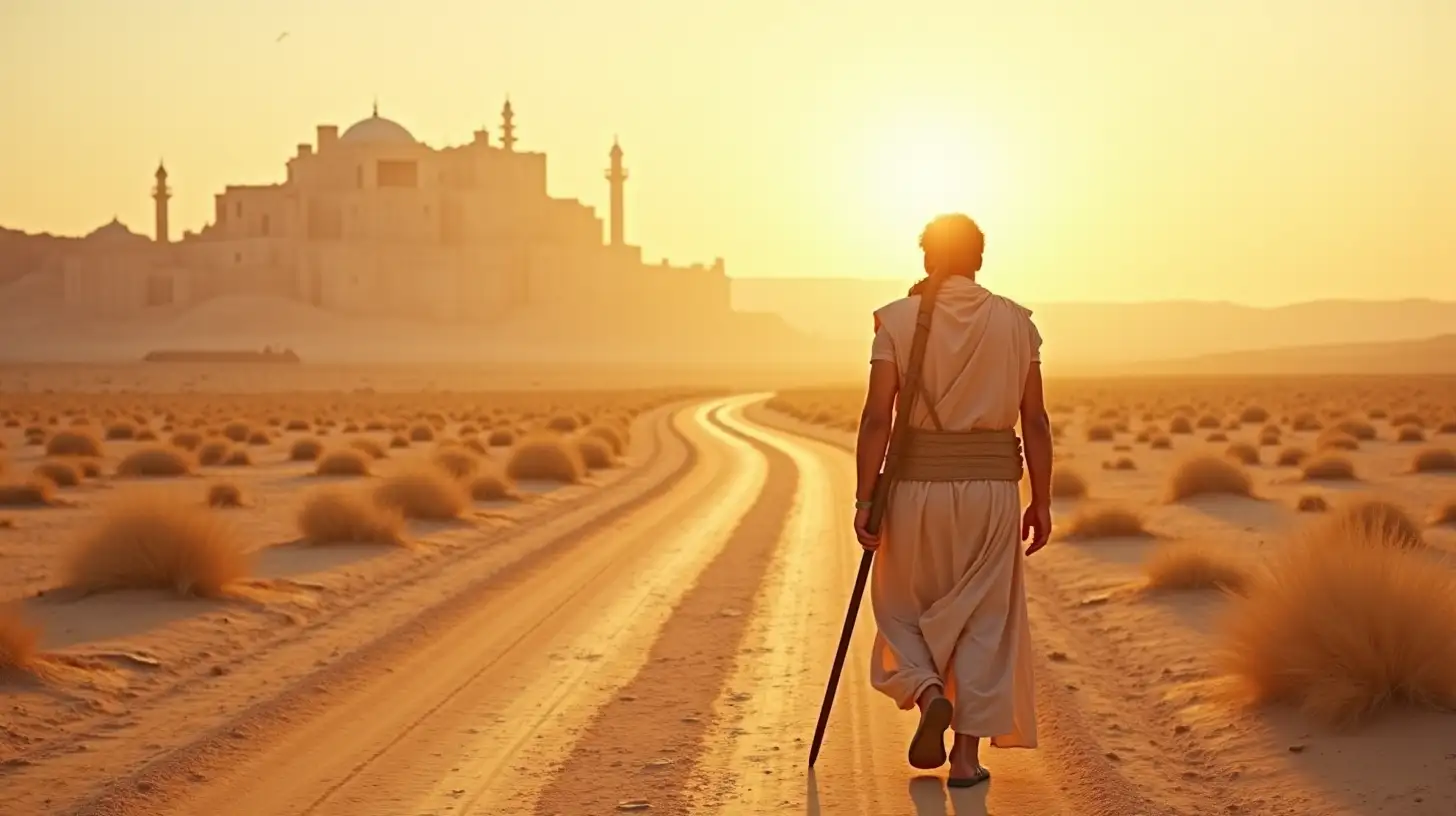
{"type": "Point", "coordinates": [956, 456]}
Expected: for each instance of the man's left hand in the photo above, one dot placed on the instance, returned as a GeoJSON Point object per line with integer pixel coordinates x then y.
{"type": "Point", "coordinates": [861, 530]}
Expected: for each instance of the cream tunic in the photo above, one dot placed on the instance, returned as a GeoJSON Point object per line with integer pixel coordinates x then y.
{"type": "Point", "coordinates": [947, 588]}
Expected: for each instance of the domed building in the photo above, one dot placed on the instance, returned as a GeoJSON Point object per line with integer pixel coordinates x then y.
{"type": "Point", "coordinates": [371, 221]}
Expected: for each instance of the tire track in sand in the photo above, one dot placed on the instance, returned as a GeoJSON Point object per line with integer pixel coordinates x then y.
{"type": "Point", "coordinates": [645, 742]}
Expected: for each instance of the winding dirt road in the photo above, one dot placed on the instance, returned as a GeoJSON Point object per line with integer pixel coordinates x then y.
{"type": "Point", "coordinates": [668, 658]}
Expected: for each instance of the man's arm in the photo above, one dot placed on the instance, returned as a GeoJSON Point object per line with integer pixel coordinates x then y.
{"type": "Point", "coordinates": [1036, 432]}
{"type": "Point", "coordinates": [875, 421]}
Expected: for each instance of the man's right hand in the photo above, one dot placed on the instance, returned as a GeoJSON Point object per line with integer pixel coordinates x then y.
{"type": "Point", "coordinates": [1036, 524]}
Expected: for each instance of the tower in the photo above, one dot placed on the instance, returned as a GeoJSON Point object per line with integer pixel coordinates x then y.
{"type": "Point", "coordinates": [508, 127]}
{"type": "Point", "coordinates": [161, 194]}
{"type": "Point", "coordinates": [617, 178]}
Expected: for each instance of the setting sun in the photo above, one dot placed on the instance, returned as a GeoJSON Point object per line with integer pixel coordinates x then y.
{"type": "Point", "coordinates": [931, 169]}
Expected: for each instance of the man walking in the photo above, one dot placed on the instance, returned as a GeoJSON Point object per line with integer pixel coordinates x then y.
{"type": "Point", "coordinates": [947, 589]}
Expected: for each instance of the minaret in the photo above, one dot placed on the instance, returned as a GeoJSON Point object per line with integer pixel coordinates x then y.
{"type": "Point", "coordinates": [508, 127]}
{"type": "Point", "coordinates": [160, 194]}
{"type": "Point", "coordinates": [617, 177]}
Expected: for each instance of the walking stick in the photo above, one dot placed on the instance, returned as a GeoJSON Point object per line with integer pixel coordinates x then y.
{"type": "Point", "coordinates": [910, 389]}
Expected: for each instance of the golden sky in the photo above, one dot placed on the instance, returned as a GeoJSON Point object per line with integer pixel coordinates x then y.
{"type": "Point", "coordinates": [1258, 151]}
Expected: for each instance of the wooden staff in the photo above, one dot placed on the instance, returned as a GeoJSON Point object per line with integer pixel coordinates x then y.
{"type": "Point", "coordinates": [910, 389]}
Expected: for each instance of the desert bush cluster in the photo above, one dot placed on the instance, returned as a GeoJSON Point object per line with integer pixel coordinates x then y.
{"type": "Point", "coordinates": [1350, 609]}
{"type": "Point", "coordinates": [368, 463]}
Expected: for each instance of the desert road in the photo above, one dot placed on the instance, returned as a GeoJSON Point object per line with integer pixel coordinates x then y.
{"type": "Point", "coordinates": [667, 657]}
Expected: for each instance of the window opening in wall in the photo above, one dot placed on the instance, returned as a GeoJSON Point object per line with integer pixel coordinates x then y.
{"type": "Point", "coordinates": [267, 225]}
{"type": "Point", "coordinates": [238, 209]}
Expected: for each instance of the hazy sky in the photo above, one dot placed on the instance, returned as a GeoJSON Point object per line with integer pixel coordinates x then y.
{"type": "Point", "coordinates": [1259, 151]}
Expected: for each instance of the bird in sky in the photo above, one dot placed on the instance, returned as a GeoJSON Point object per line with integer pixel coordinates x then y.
{"type": "Point", "coordinates": [281, 37]}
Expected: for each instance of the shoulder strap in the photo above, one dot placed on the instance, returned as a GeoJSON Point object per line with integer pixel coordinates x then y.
{"type": "Point", "coordinates": [910, 390]}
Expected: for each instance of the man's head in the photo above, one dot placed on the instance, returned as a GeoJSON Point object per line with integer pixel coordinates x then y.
{"type": "Point", "coordinates": [953, 245]}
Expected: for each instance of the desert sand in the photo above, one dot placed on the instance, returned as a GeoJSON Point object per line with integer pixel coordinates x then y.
{"type": "Point", "coordinates": [655, 635]}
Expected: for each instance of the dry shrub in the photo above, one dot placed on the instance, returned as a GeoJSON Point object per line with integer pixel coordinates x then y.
{"type": "Point", "coordinates": [1208, 475]}
{"type": "Point", "coordinates": [492, 486]}
{"type": "Point", "coordinates": [1120, 463]}
{"type": "Point", "coordinates": [1180, 425]}
{"type": "Point", "coordinates": [213, 451]}
{"type": "Point", "coordinates": [1435, 460]}
{"type": "Point", "coordinates": [73, 443]}
{"type": "Point", "coordinates": [595, 453]}
{"type": "Point", "coordinates": [237, 431]}
{"type": "Point", "coordinates": [154, 542]}
{"type": "Point", "coordinates": [476, 446]}
{"type": "Point", "coordinates": [1068, 484]}
{"type": "Point", "coordinates": [1345, 626]}
{"type": "Point", "coordinates": [368, 447]}
{"type": "Point", "coordinates": [399, 441]}
{"type": "Point", "coordinates": [259, 438]}
{"type": "Point", "coordinates": [146, 435]}
{"type": "Point", "coordinates": [187, 440]}
{"type": "Point", "coordinates": [546, 459]}
{"type": "Point", "coordinates": [1107, 522]}
{"type": "Point", "coordinates": [1291, 457]}
{"type": "Point", "coordinates": [460, 463]}
{"type": "Point", "coordinates": [1269, 437]}
{"type": "Point", "coordinates": [1218, 436]}
{"type": "Point", "coordinates": [1359, 429]}
{"type": "Point", "coordinates": [1100, 433]}
{"type": "Point", "coordinates": [1380, 520]}
{"type": "Point", "coordinates": [1447, 427]}
{"type": "Point", "coordinates": [237, 457]}
{"type": "Point", "coordinates": [501, 438]}
{"type": "Point", "coordinates": [565, 423]}
{"type": "Point", "coordinates": [335, 516]}
{"type": "Point", "coordinates": [614, 438]}
{"type": "Point", "coordinates": [296, 425]}
{"type": "Point", "coordinates": [422, 433]}
{"type": "Point", "coordinates": [19, 641]}
{"type": "Point", "coordinates": [1337, 440]}
{"type": "Point", "coordinates": [37, 491]}
{"type": "Point", "coordinates": [224, 494]}
{"type": "Point", "coordinates": [1410, 433]}
{"type": "Point", "coordinates": [343, 462]}
{"type": "Point", "coordinates": [1254, 413]}
{"type": "Point", "coordinates": [1407, 418]}
{"type": "Point", "coordinates": [1445, 514]}
{"type": "Point", "coordinates": [157, 461]}
{"type": "Point", "coordinates": [1307, 422]}
{"type": "Point", "coordinates": [121, 430]}
{"type": "Point", "coordinates": [1208, 421]}
{"type": "Point", "coordinates": [1329, 468]}
{"type": "Point", "coordinates": [1312, 503]}
{"type": "Point", "coordinates": [423, 493]}
{"type": "Point", "coordinates": [1161, 443]}
{"type": "Point", "coordinates": [1195, 565]}
{"type": "Point", "coordinates": [1243, 453]}
{"type": "Point", "coordinates": [305, 450]}
{"type": "Point", "coordinates": [59, 472]}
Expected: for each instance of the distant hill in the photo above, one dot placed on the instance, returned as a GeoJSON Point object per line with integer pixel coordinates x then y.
{"type": "Point", "coordinates": [1103, 334]}
{"type": "Point", "coordinates": [1434, 355]}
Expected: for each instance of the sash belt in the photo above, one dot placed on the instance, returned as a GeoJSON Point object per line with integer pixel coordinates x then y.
{"type": "Point", "coordinates": [956, 456]}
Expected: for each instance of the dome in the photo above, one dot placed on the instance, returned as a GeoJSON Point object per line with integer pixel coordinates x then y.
{"type": "Point", "coordinates": [113, 231]}
{"type": "Point", "coordinates": [377, 130]}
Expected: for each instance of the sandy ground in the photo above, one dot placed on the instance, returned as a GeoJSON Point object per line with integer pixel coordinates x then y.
{"type": "Point", "coordinates": [658, 642]}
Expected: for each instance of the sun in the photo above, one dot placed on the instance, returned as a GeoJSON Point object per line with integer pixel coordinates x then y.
{"type": "Point", "coordinates": [926, 172]}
